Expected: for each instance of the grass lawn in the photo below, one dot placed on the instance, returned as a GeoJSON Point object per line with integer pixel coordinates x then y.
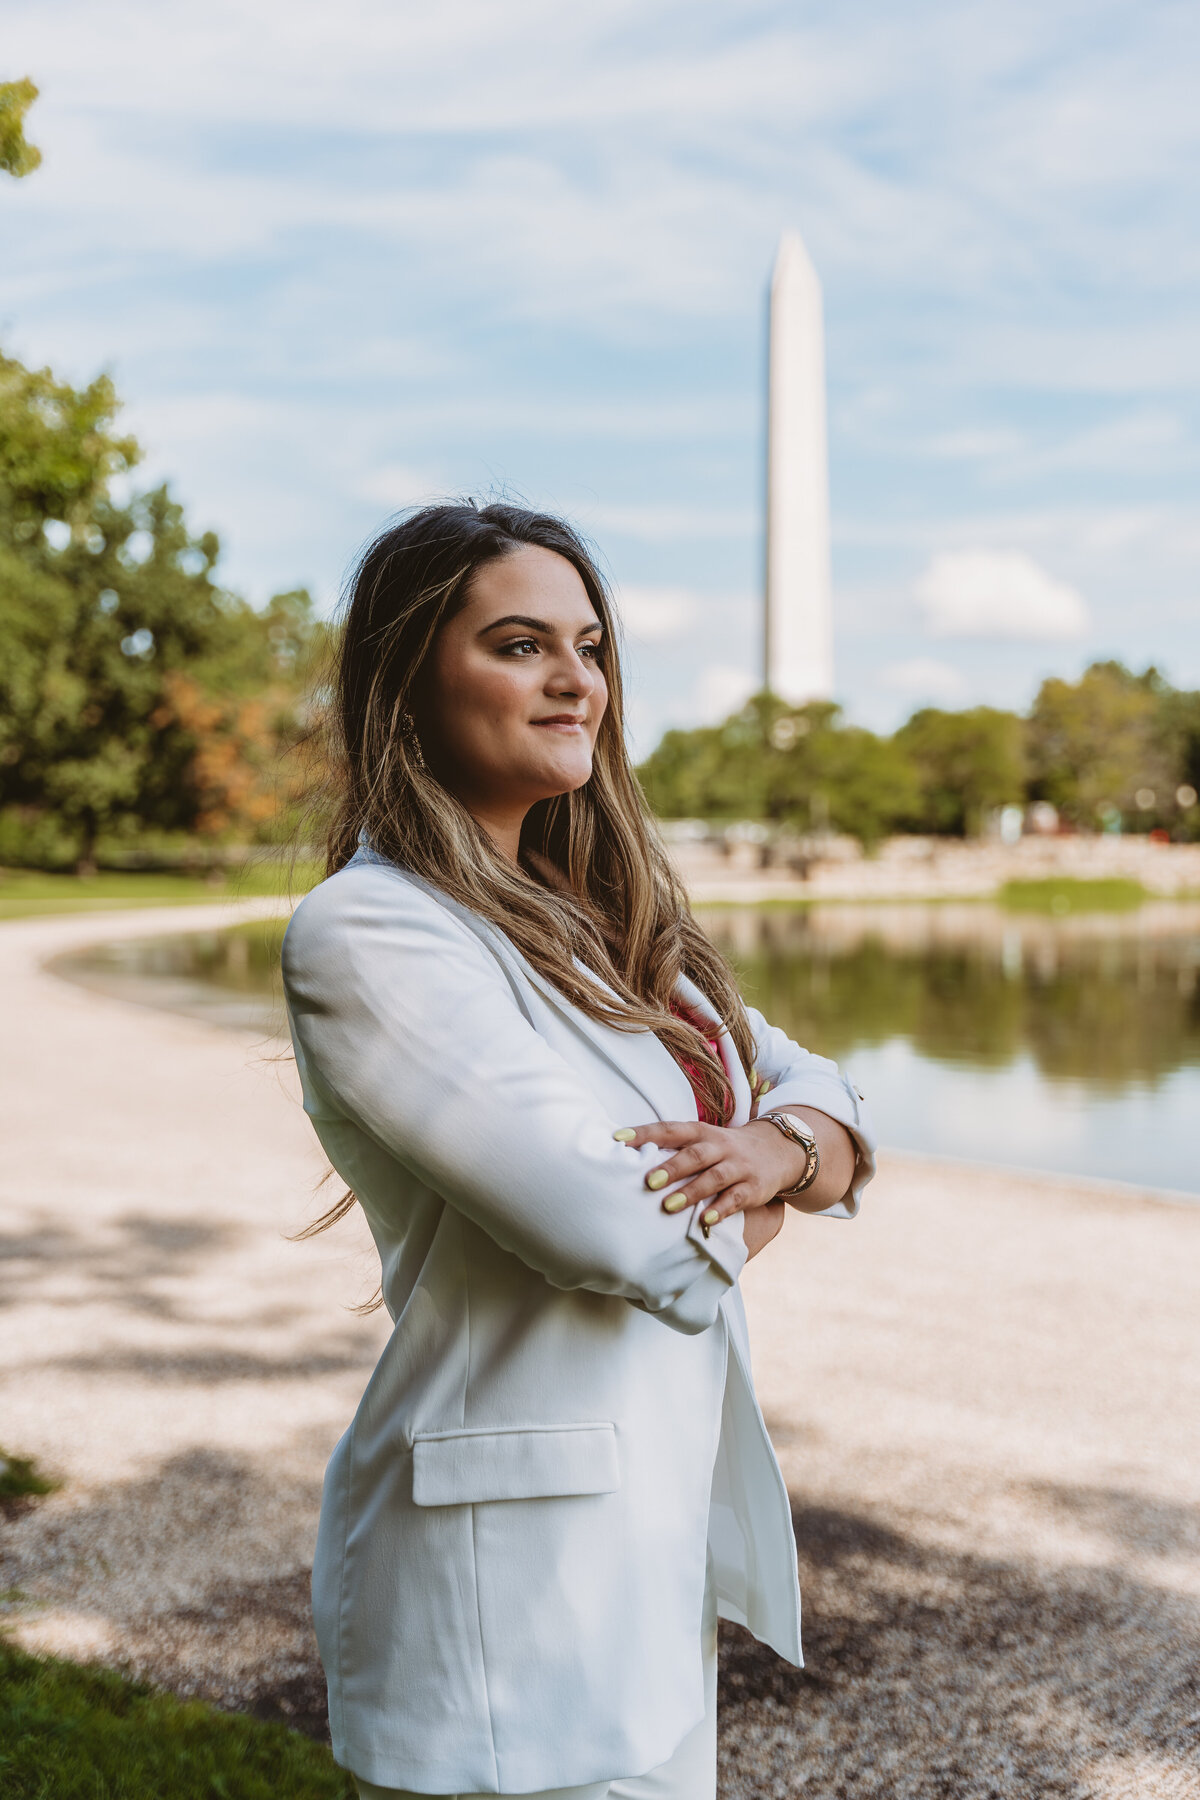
{"type": "Point", "coordinates": [24, 892]}
{"type": "Point", "coordinates": [1056, 894]}
{"type": "Point", "coordinates": [1063, 895]}
{"type": "Point", "coordinates": [71, 1733]}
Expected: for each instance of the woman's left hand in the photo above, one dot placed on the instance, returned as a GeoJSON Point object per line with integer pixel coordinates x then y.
{"type": "Point", "coordinates": [734, 1167]}
{"type": "Point", "coordinates": [738, 1167]}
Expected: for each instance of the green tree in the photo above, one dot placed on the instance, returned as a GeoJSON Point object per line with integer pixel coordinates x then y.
{"type": "Point", "coordinates": [1112, 743]}
{"type": "Point", "coordinates": [1180, 720]}
{"type": "Point", "coordinates": [796, 766]}
{"type": "Point", "coordinates": [716, 772]}
{"type": "Point", "coordinates": [1098, 743]}
{"type": "Point", "coordinates": [124, 666]}
{"type": "Point", "coordinates": [17, 156]}
{"type": "Point", "coordinates": [822, 773]}
{"type": "Point", "coordinates": [965, 763]}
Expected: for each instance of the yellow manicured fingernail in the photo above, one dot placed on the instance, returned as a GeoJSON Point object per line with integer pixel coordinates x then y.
{"type": "Point", "coordinates": [676, 1203]}
{"type": "Point", "coordinates": [656, 1178]}
{"type": "Point", "coordinates": [765, 1088]}
{"type": "Point", "coordinates": [711, 1216]}
{"type": "Point", "coordinates": [626, 1134]}
{"type": "Point", "coordinates": [754, 1075]}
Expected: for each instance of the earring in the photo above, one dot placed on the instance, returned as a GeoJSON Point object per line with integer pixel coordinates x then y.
{"type": "Point", "coordinates": [408, 730]}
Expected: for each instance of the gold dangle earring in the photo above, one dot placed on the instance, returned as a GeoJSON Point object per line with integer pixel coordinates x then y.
{"type": "Point", "coordinates": [408, 730]}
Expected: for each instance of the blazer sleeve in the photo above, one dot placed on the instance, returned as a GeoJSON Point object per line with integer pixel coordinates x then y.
{"type": "Point", "coordinates": [799, 1078]}
{"type": "Point", "coordinates": [405, 1023]}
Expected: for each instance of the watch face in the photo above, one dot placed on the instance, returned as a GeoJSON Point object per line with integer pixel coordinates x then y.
{"type": "Point", "coordinates": [797, 1128]}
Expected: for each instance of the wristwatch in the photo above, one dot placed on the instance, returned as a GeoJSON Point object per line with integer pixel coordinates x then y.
{"type": "Point", "coordinates": [801, 1134]}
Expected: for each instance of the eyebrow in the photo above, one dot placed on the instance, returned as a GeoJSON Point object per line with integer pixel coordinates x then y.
{"type": "Point", "coordinates": [536, 625]}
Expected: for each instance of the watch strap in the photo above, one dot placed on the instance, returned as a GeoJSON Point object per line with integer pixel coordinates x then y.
{"type": "Point", "coordinates": [803, 1135]}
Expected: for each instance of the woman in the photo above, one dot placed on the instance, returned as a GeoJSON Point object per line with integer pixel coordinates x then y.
{"type": "Point", "coordinates": [534, 1072]}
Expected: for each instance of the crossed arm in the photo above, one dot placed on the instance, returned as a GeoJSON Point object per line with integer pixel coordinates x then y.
{"type": "Point", "coordinates": [408, 1037]}
{"type": "Point", "coordinates": [741, 1168]}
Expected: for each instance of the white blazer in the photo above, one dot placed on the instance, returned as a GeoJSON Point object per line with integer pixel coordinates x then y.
{"type": "Point", "coordinates": [510, 1564]}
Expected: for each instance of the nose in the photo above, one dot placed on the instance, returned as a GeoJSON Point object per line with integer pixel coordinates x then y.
{"type": "Point", "coordinates": [572, 674]}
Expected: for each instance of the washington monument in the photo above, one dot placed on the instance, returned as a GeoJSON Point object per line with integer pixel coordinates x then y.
{"type": "Point", "coordinates": [798, 613]}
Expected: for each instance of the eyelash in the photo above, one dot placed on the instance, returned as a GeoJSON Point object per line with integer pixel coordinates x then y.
{"type": "Point", "coordinates": [515, 644]}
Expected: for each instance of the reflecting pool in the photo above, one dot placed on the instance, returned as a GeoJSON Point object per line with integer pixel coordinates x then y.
{"type": "Point", "coordinates": [1069, 1044]}
{"type": "Point", "coordinates": [226, 977]}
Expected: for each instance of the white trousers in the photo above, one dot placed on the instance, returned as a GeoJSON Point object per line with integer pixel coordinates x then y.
{"type": "Point", "coordinates": [690, 1774]}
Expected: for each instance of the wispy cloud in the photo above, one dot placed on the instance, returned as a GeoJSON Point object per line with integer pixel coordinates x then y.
{"type": "Point", "coordinates": [998, 594]}
{"type": "Point", "coordinates": [923, 678]}
{"type": "Point", "coordinates": [343, 257]}
{"type": "Point", "coordinates": [657, 615]}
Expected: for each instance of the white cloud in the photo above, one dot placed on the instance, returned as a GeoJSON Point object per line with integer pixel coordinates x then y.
{"type": "Point", "coordinates": [998, 594]}
{"type": "Point", "coordinates": [652, 615]}
{"type": "Point", "coordinates": [720, 690]}
{"type": "Point", "coordinates": [327, 251]}
{"type": "Point", "coordinates": [687, 154]}
{"type": "Point", "coordinates": [667, 524]}
{"type": "Point", "coordinates": [395, 485]}
{"type": "Point", "coordinates": [923, 678]}
{"type": "Point", "coordinates": [978, 444]}
{"type": "Point", "coordinates": [1120, 442]}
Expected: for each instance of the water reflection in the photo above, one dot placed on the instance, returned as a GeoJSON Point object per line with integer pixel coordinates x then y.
{"type": "Point", "coordinates": [1062, 1044]}
{"type": "Point", "coordinates": [1107, 998]}
{"type": "Point", "coordinates": [1066, 1044]}
{"type": "Point", "coordinates": [225, 977]}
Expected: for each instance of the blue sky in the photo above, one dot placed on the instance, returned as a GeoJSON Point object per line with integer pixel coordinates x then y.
{"type": "Point", "coordinates": [344, 258]}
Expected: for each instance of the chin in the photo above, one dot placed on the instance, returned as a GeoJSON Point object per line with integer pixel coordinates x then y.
{"type": "Point", "coordinates": [567, 778]}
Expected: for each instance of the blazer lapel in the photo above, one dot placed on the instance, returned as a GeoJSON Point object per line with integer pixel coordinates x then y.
{"type": "Point", "coordinates": [638, 1056]}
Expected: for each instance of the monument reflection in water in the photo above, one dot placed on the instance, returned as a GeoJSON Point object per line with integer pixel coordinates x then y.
{"type": "Point", "coordinates": [1068, 1044]}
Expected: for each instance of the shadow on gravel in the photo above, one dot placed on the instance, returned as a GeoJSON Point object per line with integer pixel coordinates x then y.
{"type": "Point", "coordinates": [123, 1263]}
{"type": "Point", "coordinates": [939, 1675]}
{"type": "Point", "coordinates": [169, 1578]}
{"type": "Point", "coordinates": [248, 1647]}
{"type": "Point", "coordinates": [933, 1673]}
{"type": "Point", "coordinates": [209, 1367]}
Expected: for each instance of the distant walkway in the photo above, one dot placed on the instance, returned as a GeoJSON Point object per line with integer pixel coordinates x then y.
{"type": "Point", "coordinates": [929, 868]}
{"type": "Point", "coordinates": [985, 1393]}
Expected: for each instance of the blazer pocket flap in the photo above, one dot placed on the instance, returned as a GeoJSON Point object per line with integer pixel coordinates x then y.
{"type": "Point", "coordinates": [458, 1468]}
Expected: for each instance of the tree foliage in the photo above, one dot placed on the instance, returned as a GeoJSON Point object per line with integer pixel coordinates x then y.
{"type": "Point", "coordinates": [136, 693]}
{"type": "Point", "coordinates": [965, 765]}
{"type": "Point", "coordinates": [799, 767]}
{"type": "Point", "coordinates": [17, 155]}
{"type": "Point", "coordinates": [1097, 743]}
{"type": "Point", "coordinates": [140, 700]}
{"type": "Point", "coordinates": [1112, 747]}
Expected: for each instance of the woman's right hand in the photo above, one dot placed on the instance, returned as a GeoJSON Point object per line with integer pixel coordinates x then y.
{"type": "Point", "coordinates": [761, 1224]}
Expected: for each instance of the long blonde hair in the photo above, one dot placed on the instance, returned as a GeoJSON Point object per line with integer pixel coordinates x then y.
{"type": "Point", "coordinates": [594, 880]}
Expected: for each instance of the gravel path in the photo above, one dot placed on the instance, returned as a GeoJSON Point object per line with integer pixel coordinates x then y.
{"type": "Point", "coordinates": [985, 1393]}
